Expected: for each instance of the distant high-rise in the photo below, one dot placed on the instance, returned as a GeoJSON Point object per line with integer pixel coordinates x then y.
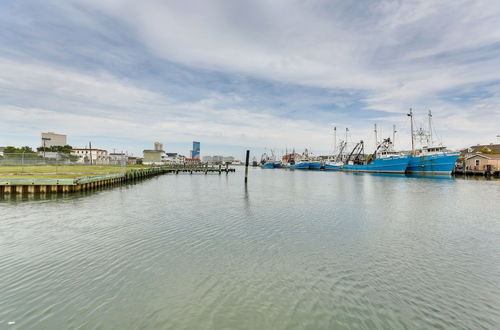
{"type": "Point", "coordinates": [158, 146]}
{"type": "Point", "coordinates": [195, 153]}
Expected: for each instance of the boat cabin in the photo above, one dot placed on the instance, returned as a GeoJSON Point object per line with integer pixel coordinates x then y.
{"type": "Point", "coordinates": [431, 150]}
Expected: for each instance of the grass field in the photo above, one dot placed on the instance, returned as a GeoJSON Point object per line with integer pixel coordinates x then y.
{"type": "Point", "coordinates": [66, 171]}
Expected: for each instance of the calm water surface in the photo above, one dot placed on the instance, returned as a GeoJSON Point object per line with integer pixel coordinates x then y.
{"type": "Point", "coordinates": [293, 250]}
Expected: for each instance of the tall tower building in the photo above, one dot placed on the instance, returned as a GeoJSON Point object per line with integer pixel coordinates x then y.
{"type": "Point", "coordinates": [196, 150]}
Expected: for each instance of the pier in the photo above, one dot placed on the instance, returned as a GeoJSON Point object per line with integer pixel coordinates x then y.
{"type": "Point", "coordinates": [47, 185]}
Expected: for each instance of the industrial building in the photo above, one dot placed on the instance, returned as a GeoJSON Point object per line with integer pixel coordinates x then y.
{"type": "Point", "coordinates": [91, 156]}
{"type": "Point", "coordinates": [51, 139]}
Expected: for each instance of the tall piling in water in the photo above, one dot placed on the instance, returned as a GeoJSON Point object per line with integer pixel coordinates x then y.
{"type": "Point", "coordinates": [246, 165]}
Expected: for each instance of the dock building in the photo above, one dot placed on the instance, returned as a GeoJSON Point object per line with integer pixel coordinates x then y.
{"type": "Point", "coordinates": [483, 162]}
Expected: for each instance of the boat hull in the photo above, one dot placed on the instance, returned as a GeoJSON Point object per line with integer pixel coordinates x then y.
{"type": "Point", "coordinates": [277, 165]}
{"type": "Point", "coordinates": [329, 167]}
{"type": "Point", "coordinates": [396, 165]}
{"type": "Point", "coordinates": [267, 165]}
{"type": "Point", "coordinates": [432, 164]}
{"type": "Point", "coordinates": [300, 166]}
{"type": "Point", "coordinates": [314, 165]}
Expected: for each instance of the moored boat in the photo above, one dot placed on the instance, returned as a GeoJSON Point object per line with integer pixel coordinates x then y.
{"type": "Point", "coordinates": [267, 165]}
{"type": "Point", "coordinates": [301, 165]}
{"type": "Point", "coordinates": [383, 160]}
{"type": "Point", "coordinates": [335, 163]}
{"type": "Point", "coordinates": [440, 162]}
{"type": "Point", "coordinates": [306, 162]}
{"type": "Point", "coordinates": [314, 165]}
{"type": "Point", "coordinates": [393, 164]}
{"type": "Point", "coordinates": [429, 159]}
{"type": "Point", "coordinates": [254, 162]}
{"type": "Point", "coordinates": [330, 166]}
{"type": "Point", "coordinates": [267, 161]}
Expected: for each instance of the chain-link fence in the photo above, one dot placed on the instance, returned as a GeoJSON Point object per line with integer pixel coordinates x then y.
{"type": "Point", "coordinates": [59, 159]}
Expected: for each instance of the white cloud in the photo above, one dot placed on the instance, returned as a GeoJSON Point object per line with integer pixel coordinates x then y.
{"type": "Point", "coordinates": [401, 53]}
{"type": "Point", "coordinates": [83, 105]}
{"type": "Point", "coordinates": [397, 54]}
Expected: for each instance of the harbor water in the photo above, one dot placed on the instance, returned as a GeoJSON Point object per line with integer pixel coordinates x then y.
{"type": "Point", "coordinates": [291, 250]}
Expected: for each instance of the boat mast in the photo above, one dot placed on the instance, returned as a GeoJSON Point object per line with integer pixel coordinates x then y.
{"type": "Point", "coordinates": [375, 130]}
{"type": "Point", "coordinates": [394, 136]}
{"type": "Point", "coordinates": [412, 135]}
{"type": "Point", "coordinates": [334, 140]}
{"type": "Point", "coordinates": [430, 128]}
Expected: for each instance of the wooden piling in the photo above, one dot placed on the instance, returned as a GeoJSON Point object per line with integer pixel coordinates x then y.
{"type": "Point", "coordinates": [247, 160]}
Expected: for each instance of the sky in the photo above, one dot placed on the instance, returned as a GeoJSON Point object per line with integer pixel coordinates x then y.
{"type": "Point", "coordinates": [239, 75]}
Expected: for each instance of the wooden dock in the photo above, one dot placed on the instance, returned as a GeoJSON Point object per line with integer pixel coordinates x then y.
{"type": "Point", "coordinates": [485, 173]}
{"type": "Point", "coordinates": [41, 185]}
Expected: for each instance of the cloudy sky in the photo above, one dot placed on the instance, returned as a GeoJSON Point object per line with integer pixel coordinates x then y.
{"type": "Point", "coordinates": [247, 74]}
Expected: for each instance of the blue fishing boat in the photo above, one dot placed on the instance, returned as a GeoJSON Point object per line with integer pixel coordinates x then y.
{"type": "Point", "coordinates": [381, 161]}
{"type": "Point", "coordinates": [301, 165]}
{"type": "Point", "coordinates": [429, 159]}
{"type": "Point", "coordinates": [335, 163]}
{"type": "Point", "coordinates": [267, 165]}
{"type": "Point", "coordinates": [437, 162]}
{"type": "Point", "coordinates": [267, 161]}
{"type": "Point", "coordinates": [314, 165]}
{"type": "Point", "coordinates": [305, 163]}
{"type": "Point", "coordinates": [393, 164]}
{"type": "Point", "coordinates": [332, 166]}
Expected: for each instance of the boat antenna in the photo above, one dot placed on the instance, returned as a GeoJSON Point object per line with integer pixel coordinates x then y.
{"type": "Point", "coordinates": [375, 130]}
{"type": "Point", "coordinates": [430, 128]}
{"type": "Point", "coordinates": [412, 135]}
{"type": "Point", "coordinates": [346, 130]}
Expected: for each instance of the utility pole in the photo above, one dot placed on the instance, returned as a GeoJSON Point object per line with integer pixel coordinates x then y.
{"type": "Point", "coordinates": [44, 146]}
{"type": "Point", "coordinates": [90, 152]}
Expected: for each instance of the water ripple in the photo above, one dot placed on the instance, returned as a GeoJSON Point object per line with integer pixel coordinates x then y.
{"type": "Point", "coordinates": [294, 250]}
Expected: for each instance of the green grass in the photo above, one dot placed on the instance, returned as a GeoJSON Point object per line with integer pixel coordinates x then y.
{"type": "Point", "coordinates": [66, 171]}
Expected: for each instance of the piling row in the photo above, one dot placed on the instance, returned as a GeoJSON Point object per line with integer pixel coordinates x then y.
{"type": "Point", "coordinates": [10, 186]}
{"type": "Point", "coordinates": [485, 173]}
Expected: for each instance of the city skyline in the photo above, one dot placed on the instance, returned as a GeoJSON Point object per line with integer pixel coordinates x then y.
{"type": "Point", "coordinates": [282, 75]}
